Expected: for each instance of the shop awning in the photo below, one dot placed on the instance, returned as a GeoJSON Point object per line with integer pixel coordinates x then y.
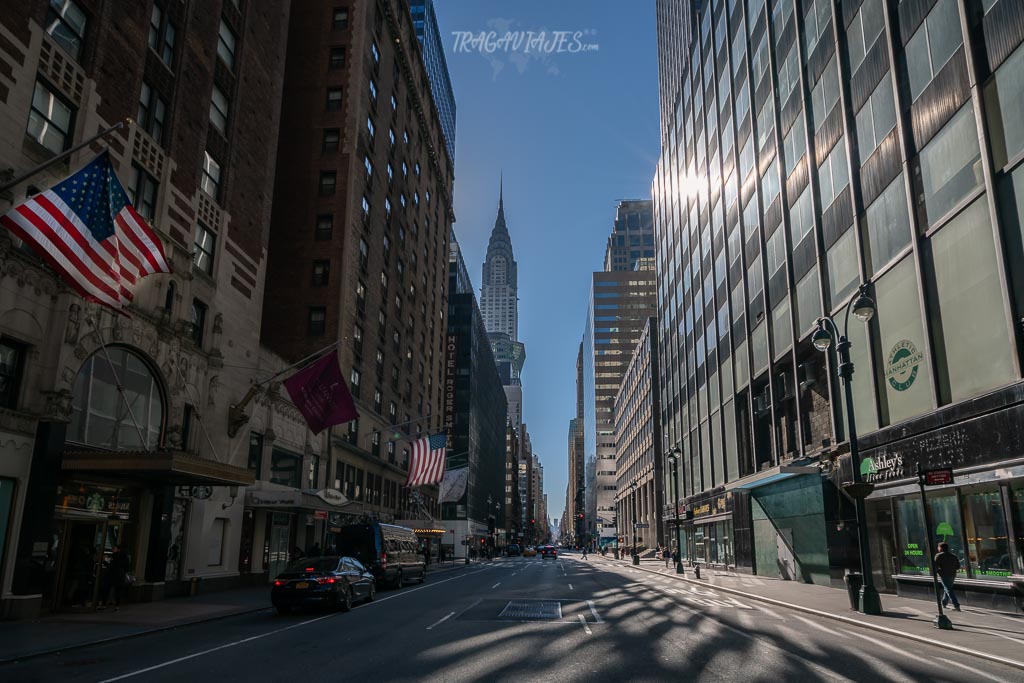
{"type": "Point", "coordinates": [296, 500]}
{"type": "Point", "coordinates": [163, 467]}
{"type": "Point", "coordinates": [772, 475]}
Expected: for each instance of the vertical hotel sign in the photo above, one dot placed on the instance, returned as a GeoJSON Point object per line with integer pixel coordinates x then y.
{"type": "Point", "coordinates": [450, 348]}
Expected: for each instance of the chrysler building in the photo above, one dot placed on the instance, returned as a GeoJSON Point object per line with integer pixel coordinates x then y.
{"type": "Point", "coordinates": [499, 300]}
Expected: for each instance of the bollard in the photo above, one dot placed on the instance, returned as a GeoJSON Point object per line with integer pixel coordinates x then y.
{"type": "Point", "coordinates": [696, 571]}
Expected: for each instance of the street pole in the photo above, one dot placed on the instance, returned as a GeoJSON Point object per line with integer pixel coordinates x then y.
{"type": "Point", "coordinates": [636, 558]}
{"type": "Point", "coordinates": [864, 309]}
{"type": "Point", "coordinates": [676, 455]}
{"type": "Point", "coordinates": [941, 620]}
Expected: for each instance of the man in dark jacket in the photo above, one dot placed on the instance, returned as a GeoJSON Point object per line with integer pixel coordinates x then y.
{"type": "Point", "coordinates": [946, 566]}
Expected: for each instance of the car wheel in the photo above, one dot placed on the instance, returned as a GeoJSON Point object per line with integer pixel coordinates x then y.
{"type": "Point", "coordinates": [345, 600]}
{"type": "Point", "coordinates": [372, 592]}
{"type": "Point", "coordinates": [284, 611]}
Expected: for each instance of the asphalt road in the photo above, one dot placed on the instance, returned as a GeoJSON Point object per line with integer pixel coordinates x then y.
{"type": "Point", "coordinates": [521, 619]}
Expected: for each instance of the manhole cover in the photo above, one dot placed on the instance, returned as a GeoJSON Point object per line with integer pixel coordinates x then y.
{"type": "Point", "coordinates": [532, 609]}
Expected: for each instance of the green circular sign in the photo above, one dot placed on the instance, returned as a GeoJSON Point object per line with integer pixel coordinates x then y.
{"type": "Point", "coordinates": [903, 365]}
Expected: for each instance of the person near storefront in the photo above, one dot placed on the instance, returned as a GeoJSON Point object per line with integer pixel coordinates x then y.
{"type": "Point", "coordinates": [946, 566]}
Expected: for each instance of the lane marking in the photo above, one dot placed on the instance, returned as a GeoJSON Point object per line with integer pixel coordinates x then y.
{"type": "Point", "coordinates": [570, 587]}
{"type": "Point", "coordinates": [441, 620]}
{"type": "Point", "coordinates": [973, 669]}
{"type": "Point", "coordinates": [583, 621]}
{"type": "Point", "coordinates": [185, 658]}
{"type": "Point", "coordinates": [495, 585]}
{"type": "Point", "coordinates": [593, 610]}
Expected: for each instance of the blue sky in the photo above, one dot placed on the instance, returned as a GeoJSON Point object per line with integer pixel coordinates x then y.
{"type": "Point", "coordinates": [573, 133]}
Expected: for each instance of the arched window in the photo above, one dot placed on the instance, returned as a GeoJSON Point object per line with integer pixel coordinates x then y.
{"type": "Point", "coordinates": [99, 415]}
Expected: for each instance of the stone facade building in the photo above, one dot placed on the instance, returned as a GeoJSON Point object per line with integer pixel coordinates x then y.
{"type": "Point", "coordinates": [638, 462]}
{"type": "Point", "coordinates": [77, 477]}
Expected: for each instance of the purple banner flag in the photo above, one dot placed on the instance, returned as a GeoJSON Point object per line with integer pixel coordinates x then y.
{"type": "Point", "coordinates": [320, 393]}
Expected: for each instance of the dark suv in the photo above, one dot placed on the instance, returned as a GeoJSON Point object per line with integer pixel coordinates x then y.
{"type": "Point", "coordinates": [514, 550]}
{"type": "Point", "coordinates": [548, 551]}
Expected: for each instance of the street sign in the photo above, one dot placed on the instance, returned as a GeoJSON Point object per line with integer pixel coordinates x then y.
{"type": "Point", "coordinates": [641, 525]}
{"type": "Point", "coordinates": [938, 477]}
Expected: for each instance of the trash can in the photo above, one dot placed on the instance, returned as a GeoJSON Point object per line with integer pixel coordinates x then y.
{"type": "Point", "coordinates": [853, 586]}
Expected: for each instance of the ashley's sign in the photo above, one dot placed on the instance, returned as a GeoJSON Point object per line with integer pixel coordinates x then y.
{"type": "Point", "coordinates": [881, 467]}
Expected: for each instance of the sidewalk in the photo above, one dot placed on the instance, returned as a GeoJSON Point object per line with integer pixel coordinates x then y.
{"type": "Point", "coordinates": [993, 635]}
{"type": "Point", "coordinates": [30, 638]}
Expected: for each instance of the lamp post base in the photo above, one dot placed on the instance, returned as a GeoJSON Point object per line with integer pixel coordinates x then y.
{"type": "Point", "coordinates": [636, 559]}
{"type": "Point", "coordinates": [870, 601]}
{"type": "Point", "coordinates": [680, 569]}
{"type": "Point", "coordinates": [942, 622]}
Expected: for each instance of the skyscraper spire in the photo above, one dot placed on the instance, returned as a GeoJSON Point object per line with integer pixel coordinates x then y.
{"type": "Point", "coordinates": [501, 198]}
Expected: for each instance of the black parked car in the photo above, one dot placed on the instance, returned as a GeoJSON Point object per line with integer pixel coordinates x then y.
{"type": "Point", "coordinates": [326, 581]}
{"type": "Point", "coordinates": [514, 550]}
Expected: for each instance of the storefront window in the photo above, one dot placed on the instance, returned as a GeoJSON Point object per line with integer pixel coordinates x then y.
{"type": "Point", "coordinates": [988, 543]}
{"type": "Point", "coordinates": [946, 525]}
{"type": "Point", "coordinates": [1017, 510]}
{"type": "Point", "coordinates": [910, 530]}
{"type": "Point", "coordinates": [912, 545]}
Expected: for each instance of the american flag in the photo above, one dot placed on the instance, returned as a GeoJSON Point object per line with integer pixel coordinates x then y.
{"type": "Point", "coordinates": [88, 231]}
{"type": "Point", "coordinates": [427, 463]}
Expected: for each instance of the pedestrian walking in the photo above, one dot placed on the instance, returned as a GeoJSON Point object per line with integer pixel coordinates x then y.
{"type": "Point", "coordinates": [666, 555]}
{"type": "Point", "coordinates": [946, 566]}
{"type": "Point", "coordinates": [584, 552]}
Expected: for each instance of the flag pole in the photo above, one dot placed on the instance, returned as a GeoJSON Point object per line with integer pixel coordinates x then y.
{"type": "Point", "coordinates": [117, 381]}
{"type": "Point", "coordinates": [236, 411]}
{"type": "Point", "coordinates": [60, 157]}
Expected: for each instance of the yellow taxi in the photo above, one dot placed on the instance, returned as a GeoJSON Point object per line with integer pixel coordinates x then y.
{"type": "Point", "coordinates": [530, 552]}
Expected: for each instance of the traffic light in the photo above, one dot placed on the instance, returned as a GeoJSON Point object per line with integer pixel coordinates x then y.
{"type": "Point", "coordinates": [579, 516]}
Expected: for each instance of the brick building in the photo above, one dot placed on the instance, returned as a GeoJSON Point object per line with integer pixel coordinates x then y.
{"type": "Point", "coordinates": [359, 236]}
{"type": "Point", "coordinates": [77, 477]}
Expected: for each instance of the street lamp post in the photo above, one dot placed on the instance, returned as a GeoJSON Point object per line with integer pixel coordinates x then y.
{"type": "Point", "coordinates": [676, 455]}
{"type": "Point", "coordinates": [863, 309]}
{"type": "Point", "coordinates": [636, 558]}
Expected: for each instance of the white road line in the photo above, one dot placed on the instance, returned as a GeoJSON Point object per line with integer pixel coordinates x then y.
{"type": "Point", "coordinates": [171, 662]}
{"type": "Point", "coordinates": [593, 610]}
{"type": "Point", "coordinates": [570, 587]}
{"type": "Point", "coordinates": [495, 585]}
{"type": "Point", "coordinates": [583, 620]}
{"type": "Point", "coordinates": [441, 620]}
{"type": "Point", "coordinates": [973, 669]}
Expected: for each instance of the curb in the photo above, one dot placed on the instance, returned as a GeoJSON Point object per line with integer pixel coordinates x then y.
{"type": "Point", "coordinates": [847, 620]}
{"type": "Point", "coordinates": [126, 636]}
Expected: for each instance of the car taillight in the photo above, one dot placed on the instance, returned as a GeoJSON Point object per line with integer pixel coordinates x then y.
{"type": "Point", "coordinates": [383, 560]}
{"type": "Point", "coordinates": [278, 583]}
{"type": "Point", "coordinates": [326, 579]}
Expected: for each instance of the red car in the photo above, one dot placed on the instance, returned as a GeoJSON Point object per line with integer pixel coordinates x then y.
{"type": "Point", "coordinates": [549, 551]}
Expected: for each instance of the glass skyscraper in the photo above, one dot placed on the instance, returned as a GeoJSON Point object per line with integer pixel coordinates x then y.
{"type": "Point", "coordinates": [809, 147]}
{"type": "Point", "coordinates": [425, 22]}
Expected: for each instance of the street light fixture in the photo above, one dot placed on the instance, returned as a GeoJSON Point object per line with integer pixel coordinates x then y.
{"type": "Point", "coordinates": [636, 558]}
{"type": "Point", "coordinates": [863, 308]}
{"type": "Point", "coordinates": [675, 456]}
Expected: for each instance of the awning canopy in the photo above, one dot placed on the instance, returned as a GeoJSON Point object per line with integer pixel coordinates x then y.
{"type": "Point", "coordinates": [772, 475]}
{"type": "Point", "coordinates": [294, 499]}
{"type": "Point", "coordinates": [163, 467]}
